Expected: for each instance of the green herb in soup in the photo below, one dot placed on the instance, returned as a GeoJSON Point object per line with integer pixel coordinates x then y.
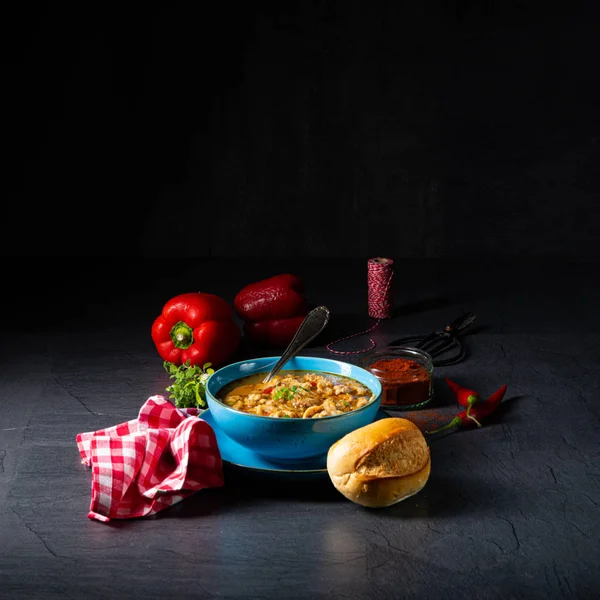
{"type": "Point", "coordinates": [296, 394]}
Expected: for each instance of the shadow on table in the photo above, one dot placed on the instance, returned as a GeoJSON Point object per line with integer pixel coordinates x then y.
{"type": "Point", "coordinates": [425, 304]}
{"type": "Point", "coordinates": [505, 411]}
{"type": "Point", "coordinates": [443, 495]}
{"type": "Point", "coordinates": [248, 489]}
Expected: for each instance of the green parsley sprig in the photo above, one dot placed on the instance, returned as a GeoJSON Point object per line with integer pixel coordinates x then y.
{"type": "Point", "coordinates": [189, 388]}
{"type": "Point", "coordinates": [287, 393]}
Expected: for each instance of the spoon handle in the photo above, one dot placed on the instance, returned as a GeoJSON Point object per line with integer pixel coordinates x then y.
{"type": "Point", "coordinates": [309, 329]}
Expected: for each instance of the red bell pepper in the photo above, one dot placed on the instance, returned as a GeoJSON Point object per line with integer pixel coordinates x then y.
{"type": "Point", "coordinates": [196, 327]}
{"type": "Point", "coordinates": [272, 309]}
{"type": "Point", "coordinates": [273, 332]}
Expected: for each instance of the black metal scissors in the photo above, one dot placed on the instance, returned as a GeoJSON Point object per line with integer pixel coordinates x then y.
{"type": "Point", "coordinates": [443, 346]}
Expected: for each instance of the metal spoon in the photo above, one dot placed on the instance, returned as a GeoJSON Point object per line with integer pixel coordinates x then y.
{"type": "Point", "coordinates": [309, 329]}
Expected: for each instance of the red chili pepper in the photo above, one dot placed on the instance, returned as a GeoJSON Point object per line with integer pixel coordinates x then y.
{"type": "Point", "coordinates": [313, 383]}
{"type": "Point", "coordinates": [267, 390]}
{"type": "Point", "coordinates": [480, 411]}
{"type": "Point", "coordinates": [465, 396]}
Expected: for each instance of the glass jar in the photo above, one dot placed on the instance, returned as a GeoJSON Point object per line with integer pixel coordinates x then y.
{"type": "Point", "coordinates": [406, 376]}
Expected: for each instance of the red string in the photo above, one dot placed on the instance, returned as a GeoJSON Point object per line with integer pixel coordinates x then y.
{"type": "Point", "coordinates": [373, 344]}
{"type": "Point", "coordinates": [379, 279]}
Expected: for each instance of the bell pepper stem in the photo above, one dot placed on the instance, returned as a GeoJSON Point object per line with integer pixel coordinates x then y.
{"type": "Point", "coordinates": [182, 335]}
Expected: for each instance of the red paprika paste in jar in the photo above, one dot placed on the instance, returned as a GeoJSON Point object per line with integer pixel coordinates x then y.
{"type": "Point", "coordinates": [406, 376]}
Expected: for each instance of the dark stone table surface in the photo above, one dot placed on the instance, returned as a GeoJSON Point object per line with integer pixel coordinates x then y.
{"type": "Point", "coordinates": [511, 510]}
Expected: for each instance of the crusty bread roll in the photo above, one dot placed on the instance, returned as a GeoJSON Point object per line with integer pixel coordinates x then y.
{"type": "Point", "coordinates": [381, 463]}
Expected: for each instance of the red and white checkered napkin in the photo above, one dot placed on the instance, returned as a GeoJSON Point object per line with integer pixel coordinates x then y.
{"type": "Point", "coordinates": [143, 466]}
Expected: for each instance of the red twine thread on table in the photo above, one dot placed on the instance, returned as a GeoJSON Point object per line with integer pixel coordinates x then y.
{"type": "Point", "coordinates": [380, 272]}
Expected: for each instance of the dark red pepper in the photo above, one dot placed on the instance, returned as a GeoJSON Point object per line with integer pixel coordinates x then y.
{"type": "Point", "coordinates": [480, 411]}
{"type": "Point", "coordinates": [272, 309]}
{"type": "Point", "coordinates": [276, 333]}
{"type": "Point", "coordinates": [465, 396]}
{"type": "Point", "coordinates": [278, 297]}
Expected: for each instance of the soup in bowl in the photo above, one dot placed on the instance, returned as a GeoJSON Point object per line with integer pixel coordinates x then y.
{"type": "Point", "coordinates": [300, 413]}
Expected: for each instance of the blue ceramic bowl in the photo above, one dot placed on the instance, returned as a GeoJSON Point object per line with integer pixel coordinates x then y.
{"type": "Point", "coordinates": [289, 439]}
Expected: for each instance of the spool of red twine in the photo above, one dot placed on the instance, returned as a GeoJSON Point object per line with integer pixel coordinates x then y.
{"type": "Point", "coordinates": [380, 272]}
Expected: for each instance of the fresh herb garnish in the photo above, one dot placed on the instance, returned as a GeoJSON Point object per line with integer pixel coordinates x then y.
{"type": "Point", "coordinates": [283, 393]}
{"type": "Point", "coordinates": [286, 393]}
{"type": "Point", "coordinates": [188, 390]}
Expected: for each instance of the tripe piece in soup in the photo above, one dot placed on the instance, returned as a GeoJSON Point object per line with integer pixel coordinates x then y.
{"type": "Point", "coordinates": [296, 395]}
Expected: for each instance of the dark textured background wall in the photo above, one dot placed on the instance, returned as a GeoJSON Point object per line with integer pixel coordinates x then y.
{"type": "Point", "coordinates": [302, 129]}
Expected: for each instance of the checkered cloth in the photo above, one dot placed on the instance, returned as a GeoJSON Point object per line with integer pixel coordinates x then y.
{"type": "Point", "coordinates": [150, 463]}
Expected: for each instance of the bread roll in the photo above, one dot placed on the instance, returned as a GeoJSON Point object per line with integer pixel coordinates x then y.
{"type": "Point", "coordinates": [381, 463]}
